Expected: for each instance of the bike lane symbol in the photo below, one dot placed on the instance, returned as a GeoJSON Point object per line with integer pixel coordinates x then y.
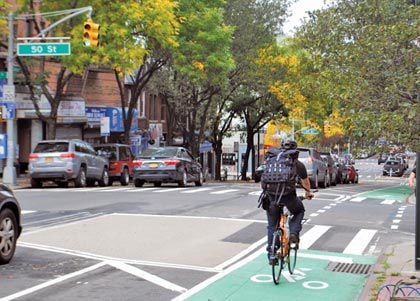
{"type": "Point", "coordinates": [298, 275]}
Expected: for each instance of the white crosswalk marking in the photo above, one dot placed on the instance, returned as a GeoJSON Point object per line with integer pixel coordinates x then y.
{"type": "Point", "coordinates": [170, 190]}
{"type": "Point", "coordinates": [196, 190]}
{"type": "Point", "coordinates": [358, 199]}
{"type": "Point", "coordinates": [388, 202]}
{"type": "Point", "coordinates": [27, 211]}
{"type": "Point", "coordinates": [360, 242]}
{"type": "Point", "coordinates": [224, 191]}
{"type": "Point", "coordinates": [312, 235]}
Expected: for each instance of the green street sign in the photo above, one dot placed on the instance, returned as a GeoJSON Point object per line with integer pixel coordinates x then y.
{"type": "Point", "coordinates": [310, 132]}
{"type": "Point", "coordinates": [3, 74]}
{"type": "Point", "coordinates": [43, 49]}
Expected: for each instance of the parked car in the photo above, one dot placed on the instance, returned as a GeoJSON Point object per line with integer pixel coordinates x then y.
{"type": "Point", "coordinates": [393, 167]}
{"type": "Point", "coordinates": [352, 174]}
{"type": "Point", "coordinates": [167, 164]}
{"type": "Point", "coordinates": [315, 166]}
{"type": "Point", "coordinates": [121, 161]}
{"type": "Point", "coordinates": [62, 161]}
{"type": "Point", "coordinates": [332, 167]}
{"type": "Point", "coordinates": [10, 223]}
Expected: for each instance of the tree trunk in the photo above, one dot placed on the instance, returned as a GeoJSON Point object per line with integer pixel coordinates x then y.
{"type": "Point", "coordinates": [218, 151]}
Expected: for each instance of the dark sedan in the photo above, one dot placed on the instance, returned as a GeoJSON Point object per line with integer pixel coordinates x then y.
{"type": "Point", "coordinates": [169, 164]}
{"type": "Point", "coordinates": [10, 223]}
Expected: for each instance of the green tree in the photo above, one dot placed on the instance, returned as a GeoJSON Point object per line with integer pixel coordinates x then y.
{"type": "Point", "coordinates": [366, 52]}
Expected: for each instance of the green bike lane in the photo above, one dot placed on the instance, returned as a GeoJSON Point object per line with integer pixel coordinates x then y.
{"type": "Point", "coordinates": [251, 280]}
{"type": "Point", "coordinates": [399, 193]}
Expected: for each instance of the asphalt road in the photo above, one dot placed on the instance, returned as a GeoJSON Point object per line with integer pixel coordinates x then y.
{"type": "Point", "coordinates": [128, 243]}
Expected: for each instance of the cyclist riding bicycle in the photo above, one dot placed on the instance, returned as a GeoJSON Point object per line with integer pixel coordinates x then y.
{"type": "Point", "coordinates": [291, 201]}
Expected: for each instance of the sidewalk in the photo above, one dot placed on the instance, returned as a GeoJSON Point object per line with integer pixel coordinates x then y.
{"type": "Point", "coordinates": [396, 264]}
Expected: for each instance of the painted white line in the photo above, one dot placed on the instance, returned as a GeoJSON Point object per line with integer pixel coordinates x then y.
{"type": "Point", "coordinates": [52, 282]}
{"type": "Point", "coordinates": [196, 190]}
{"type": "Point", "coordinates": [115, 189]}
{"type": "Point", "coordinates": [224, 191]}
{"type": "Point", "coordinates": [321, 211]}
{"type": "Point", "coordinates": [358, 199]}
{"type": "Point", "coordinates": [394, 227]}
{"type": "Point", "coordinates": [327, 207]}
{"type": "Point", "coordinates": [399, 215]}
{"type": "Point", "coordinates": [108, 258]}
{"type": "Point", "coordinates": [241, 254]}
{"type": "Point", "coordinates": [312, 235]}
{"type": "Point", "coordinates": [333, 204]}
{"type": "Point", "coordinates": [218, 276]}
{"type": "Point", "coordinates": [170, 190]}
{"type": "Point", "coordinates": [255, 192]}
{"type": "Point", "coordinates": [27, 211]}
{"type": "Point", "coordinates": [146, 276]}
{"type": "Point", "coordinates": [326, 257]}
{"type": "Point", "coordinates": [360, 242]}
{"type": "Point", "coordinates": [387, 202]}
{"type": "Point", "coordinates": [396, 221]}
{"type": "Point", "coordinates": [314, 214]}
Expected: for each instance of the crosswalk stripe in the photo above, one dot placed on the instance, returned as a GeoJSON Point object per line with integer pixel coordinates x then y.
{"type": "Point", "coordinates": [170, 190]}
{"type": "Point", "coordinates": [357, 199]}
{"type": "Point", "coordinates": [359, 242]}
{"type": "Point", "coordinates": [312, 235]}
{"type": "Point", "coordinates": [224, 191]}
{"type": "Point", "coordinates": [388, 202]}
{"type": "Point", "coordinates": [196, 190]}
{"type": "Point", "coordinates": [27, 211]}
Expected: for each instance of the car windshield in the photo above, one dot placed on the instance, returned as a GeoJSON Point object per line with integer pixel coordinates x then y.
{"type": "Point", "coordinates": [52, 147]}
{"type": "Point", "coordinates": [107, 151]}
{"type": "Point", "coordinates": [160, 152]}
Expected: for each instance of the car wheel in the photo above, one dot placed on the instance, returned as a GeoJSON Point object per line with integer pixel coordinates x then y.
{"type": "Point", "coordinates": [138, 183]}
{"type": "Point", "coordinates": [157, 184]}
{"type": "Point", "coordinates": [356, 180]}
{"type": "Point", "coordinates": [8, 235]}
{"type": "Point", "coordinates": [36, 183]}
{"type": "Point", "coordinates": [104, 179]}
{"type": "Point", "coordinates": [323, 184]}
{"type": "Point", "coordinates": [80, 181]}
{"type": "Point", "coordinates": [125, 177]}
{"type": "Point", "coordinates": [199, 182]}
{"type": "Point", "coordinates": [314, 184]}
{"type": "Point", "coordinates": [184, 180]}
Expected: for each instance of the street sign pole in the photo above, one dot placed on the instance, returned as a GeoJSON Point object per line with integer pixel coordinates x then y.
{"type": "Point", "coordinates": [9, 173]}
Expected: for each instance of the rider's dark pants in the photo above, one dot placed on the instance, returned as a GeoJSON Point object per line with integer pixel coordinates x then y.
{"type": "Point", "coordinates": [297, 211]}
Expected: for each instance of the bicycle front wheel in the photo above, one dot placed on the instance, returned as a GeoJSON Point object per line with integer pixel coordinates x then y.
{"type": "Point", "coordinates": [276, 257]}
{"type": "Point", "coordinates": [291, 259]}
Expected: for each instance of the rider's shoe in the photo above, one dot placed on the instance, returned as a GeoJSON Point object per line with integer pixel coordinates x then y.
{"type": "Point", "coordinates": [294, 241]}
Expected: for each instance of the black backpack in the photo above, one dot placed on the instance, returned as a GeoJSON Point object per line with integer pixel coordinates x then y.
{"type": "Point", "coordinates": [279, 175]}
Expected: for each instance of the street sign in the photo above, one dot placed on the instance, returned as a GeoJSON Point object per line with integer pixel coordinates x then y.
{"type": "Point", "coordinates": [8, 110]}
{"type": "Point", "coordinates": [3, 74]}
{"type": "Point", "coordinates": [43, 49]}
{"type": "Point", "coordinates": [8, 93]}
{"type": "Point", "coordinates": [310, 131]}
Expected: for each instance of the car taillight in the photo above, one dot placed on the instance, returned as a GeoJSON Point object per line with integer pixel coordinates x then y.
{"type": "Point", "coordinates": [33, 156]}
{"type": "Point", "coordinates": [68, 155]}
{"type": "Point", "coordinates": [138, 163]}
{"type": "Point", "coordinates": [171, 162]}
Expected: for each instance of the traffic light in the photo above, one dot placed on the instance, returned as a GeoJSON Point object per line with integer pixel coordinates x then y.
{"type": "Point", "coordinates": [91, 33]}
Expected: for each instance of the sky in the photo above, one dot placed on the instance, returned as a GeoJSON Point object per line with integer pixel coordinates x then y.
{"type": "Point", "coordinates": [298, 11]}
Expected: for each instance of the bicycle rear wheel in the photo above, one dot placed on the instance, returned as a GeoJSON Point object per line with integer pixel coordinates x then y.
{"type": "Point", "coordinates": [276, 257]}
{"type": "Point", "coordinates": [291, 259]}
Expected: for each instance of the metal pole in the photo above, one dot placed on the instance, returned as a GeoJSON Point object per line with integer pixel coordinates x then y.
{"type": "Point", "coordinates": [417, 254]}
{"type": "Point", "coordinates": [9, 173]}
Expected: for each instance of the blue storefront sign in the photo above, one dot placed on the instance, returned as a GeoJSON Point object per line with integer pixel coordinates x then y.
{"type": "Point", "coordinates": [116, 124]}
{"type": "Point", "coordinates": [3, 146]}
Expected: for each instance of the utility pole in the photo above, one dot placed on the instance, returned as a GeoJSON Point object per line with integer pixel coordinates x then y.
{"type": "Point", "coordinates": [9, 173]}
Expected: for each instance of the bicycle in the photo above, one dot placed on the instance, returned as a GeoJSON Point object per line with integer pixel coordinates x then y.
{"type": "Point", "coordinates": [282, 252]}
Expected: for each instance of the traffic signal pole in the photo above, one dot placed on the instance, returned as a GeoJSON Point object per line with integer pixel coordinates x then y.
{"type": "Point", "coordinates": [9, 172]}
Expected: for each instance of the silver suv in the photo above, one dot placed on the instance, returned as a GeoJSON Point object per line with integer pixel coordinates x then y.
{"type": "Point", "coordinates": [315, 166]}
{"type": "Point", "coordinates": [62, 161]}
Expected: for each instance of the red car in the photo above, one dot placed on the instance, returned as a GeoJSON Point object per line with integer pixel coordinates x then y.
{"type": "Point", "coordinates": [352, 174]}
{"type": "Point", "coordinates": [121, 161]}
